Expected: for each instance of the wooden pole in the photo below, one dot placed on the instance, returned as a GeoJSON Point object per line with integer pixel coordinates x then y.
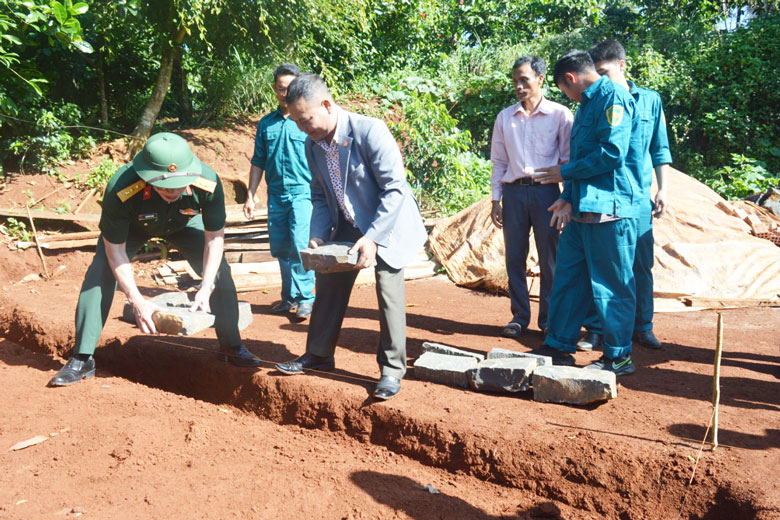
{"type": "Point", "coordinates": [716, 385]}
{"type": "Point", "coordinates": [37, 244]}
{"type": "Point", "coordinates": [86, 199]}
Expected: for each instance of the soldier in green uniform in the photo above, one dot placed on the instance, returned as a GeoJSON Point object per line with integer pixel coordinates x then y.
{"type": "Point", "coordinates": [164, 192]}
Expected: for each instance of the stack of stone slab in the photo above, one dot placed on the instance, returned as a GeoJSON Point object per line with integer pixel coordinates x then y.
{"type": "Point", "coordinates": [510, 371]}
{"type": "Point", "coordinates": [176, 318]}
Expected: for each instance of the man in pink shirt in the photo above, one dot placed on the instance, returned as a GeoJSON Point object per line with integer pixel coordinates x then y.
{"type": "Point", "coordinates": [527, 136]}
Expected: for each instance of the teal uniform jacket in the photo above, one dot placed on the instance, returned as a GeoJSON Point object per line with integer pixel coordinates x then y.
{"type": "Point", "coordinates": [143, 212]}
{"type": "Point", "coordinates": [280, 151]}
{"type": "Point", "coordinates": [597, 177]}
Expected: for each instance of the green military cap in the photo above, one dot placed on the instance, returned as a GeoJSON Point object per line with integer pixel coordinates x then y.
{"type": "Point", "coordinates": [166, 161]}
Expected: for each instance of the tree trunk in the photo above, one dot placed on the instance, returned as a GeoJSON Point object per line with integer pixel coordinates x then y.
{"type": "Point", "coordinates": [101, 77]}
{"type": "Point", "coordinates": [185, 100]}
{"type": "Point", "coordinates": [145, 124]}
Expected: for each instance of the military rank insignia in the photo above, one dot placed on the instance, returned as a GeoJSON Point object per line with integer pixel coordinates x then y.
{"type": "Point", "coordinates": [189, 212]}
{"type": "Point", "coordinates": [614, 115]}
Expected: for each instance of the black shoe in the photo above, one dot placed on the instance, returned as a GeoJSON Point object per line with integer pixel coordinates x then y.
{"type": "Point", "coordinates": [647, 339]}
{"type": "Point", "coordinates": [591, 341]}
{"type": "Point", "coordinates": [303, 311]}
{"type": "Point", "coordinates": [283, 306]}
{"type": "Point", "coordinates": [621, 366]}
{"type": "Point", "coordinates": [387, 387]}
{"type": "Point", "coordinates": [306, 362]}
{"type": "Point", "coordinates": [74, 371]}
{"type": "Point", "coordinates": [559, 358]}
{"type": "Point", "coordinates": [239, 356]}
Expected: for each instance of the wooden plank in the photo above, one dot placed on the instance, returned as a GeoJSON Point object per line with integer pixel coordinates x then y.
{"type": "Point", "coordinates": [49, 215]}
{"type": "Point", "coordinates": [734, 303]}
{"type": "Point", "coordinates": [79, 235]}
{"type": "Point", "coordinates": [259, 246]}
{"type": "Point", "coordinates": [237, 257]}
{"type": "Point", "coordinates": [247, 238]}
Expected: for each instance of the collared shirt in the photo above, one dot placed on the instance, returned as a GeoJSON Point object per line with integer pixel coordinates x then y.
{"type": "Point", "coordinates": [280, 152]}
{"type": "Point", "coordinates": [524, 142]}
{"type": "Point", "coordinates": [652, 143]}
{"type": "Point", "coordinates": [597, 178]}
{"type": "Point", "coordinates": [334, 170]}
{"type": "Point", "coordinates": [148, 214]}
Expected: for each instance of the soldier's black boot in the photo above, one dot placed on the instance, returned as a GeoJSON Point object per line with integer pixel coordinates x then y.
{"type": "Point", "coordinates": [77, 368]}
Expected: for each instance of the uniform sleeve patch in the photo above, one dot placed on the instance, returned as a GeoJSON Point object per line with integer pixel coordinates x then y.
{"type": "Point", "coordinates": [615, 115]}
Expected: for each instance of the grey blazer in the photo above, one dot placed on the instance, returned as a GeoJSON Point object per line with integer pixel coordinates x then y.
{"type": "Point", "coordinates": [375, 190]}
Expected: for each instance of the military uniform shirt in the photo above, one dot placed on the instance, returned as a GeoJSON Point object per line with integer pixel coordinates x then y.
{"type": "Point", "coordinates": [596, 178]}
{"type": "Point", "coordinates": [280, 151]}
{"type": "Point", "coordinates": [653, 142]}
{"type": "Point", "coordinates": [148, 214]}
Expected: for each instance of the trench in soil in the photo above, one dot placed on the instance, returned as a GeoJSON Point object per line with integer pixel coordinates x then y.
{"type": "Point", "coordinates": [595, 474]}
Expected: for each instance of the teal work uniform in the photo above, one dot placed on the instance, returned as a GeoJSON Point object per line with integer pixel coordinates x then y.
{"type": "Point", "coordinates": [133, 213]}
{"type": "Point", "coordinates": [280, 152]}
{"type": "Point", "coordinates": [652, 148]}
{"type": "Point", "coordinates": [595, 260]}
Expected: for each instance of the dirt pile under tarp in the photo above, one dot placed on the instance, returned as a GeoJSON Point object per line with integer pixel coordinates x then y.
{"type": "Point", "coordinates": [703, 247]}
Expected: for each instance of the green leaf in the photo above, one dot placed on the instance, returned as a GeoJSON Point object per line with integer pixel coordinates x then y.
{"type": "Point", "coordinates": [79, 8]}
{"type": "Point", "coordinates": [83, 46]}
{"type": "Point", "coordinates": [775, 151]}
{"type": "Point", "coordinates": [60, 13]}
{"type": "Point", "coordinates": [13, 39]}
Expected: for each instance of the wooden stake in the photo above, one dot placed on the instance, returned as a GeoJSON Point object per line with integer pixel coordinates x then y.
{"type": "Point", "coordinates": [37, 244]}
{"type": "Point", "coordinates": [716, 385]}
{"type": "Point", "coordinates": [86, 199]}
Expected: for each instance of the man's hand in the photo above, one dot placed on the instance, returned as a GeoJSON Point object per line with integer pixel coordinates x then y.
{"type": "Point", "coordinates": [143, 310]}
{"type": "Point", "coordinates": [561, 214]}
{"type": "Point", "coordinates": [249, 207]}
{"type": "Point", "coordinates": [315, 242]}
{"type": "Point", "coordinates": [552, 175]}
{"type": "Point", "coordinates": [660, 203]}
{"type": "Point", "coordinates": [366, 248]}
{"type": "Point", "coordinates": [202, 297]}
{"type": "Point", "coordinates": [496, 214]}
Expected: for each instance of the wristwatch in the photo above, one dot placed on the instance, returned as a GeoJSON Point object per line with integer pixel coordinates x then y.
{"type": "Point", "coordinates": [209, 286]}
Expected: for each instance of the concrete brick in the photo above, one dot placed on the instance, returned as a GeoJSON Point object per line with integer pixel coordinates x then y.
{"type": "Point", "coordinates": [573, 385]}
{"type": "Point", "coordinates": [331, 257]}
{"type": "Point", "coordinates": [444, 369]}
{"type": "Point", "coordinates": [177, 318]}
{"type": "Point", "coordinates": [503, 374]}
{"type": "Point", "coordinates": [439, 348]}
{"type": "Point", "coordinates": [498, 353]}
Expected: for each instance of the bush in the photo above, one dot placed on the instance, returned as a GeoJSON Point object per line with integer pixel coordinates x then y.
{"type": "Point", "coordinates": [745, 177]}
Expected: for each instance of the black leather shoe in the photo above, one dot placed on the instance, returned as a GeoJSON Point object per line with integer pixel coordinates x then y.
{"type": "Point", "coordinates": [591, 341]}
{"type": "Point", "coordinates": [283, 306]}
{"type": "Point", "coordinates": [303, 311]}
{"type": "Point", "coordinates": [74, 371]}
{"type": "Point", "coordinates": [387, 387]}
{"type": "Point", "coordinates": [306, 362]}
{"type": "Point", "coordinates": [239, 356]}
{"type": "Point", "coordinates": [559, 358]}
{"type": "Point", "coordinates": [647, 339]}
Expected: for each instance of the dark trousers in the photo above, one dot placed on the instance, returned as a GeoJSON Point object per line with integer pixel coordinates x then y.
{"type": "Point", "coordinates": [332, 291]}
{"type": "Point", "coordinates": [99, 286]}
{"type": "Point", "coordinates": [525, 208]}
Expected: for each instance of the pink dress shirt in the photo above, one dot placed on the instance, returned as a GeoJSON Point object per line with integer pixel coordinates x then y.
{"type": "Point", "coordinates": [524, 142]}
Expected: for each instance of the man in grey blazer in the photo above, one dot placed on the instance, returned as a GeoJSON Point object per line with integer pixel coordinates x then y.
{"type": "Point", "coordinates": [359, 194]}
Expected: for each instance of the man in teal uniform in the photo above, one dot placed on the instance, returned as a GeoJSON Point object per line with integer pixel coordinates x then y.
{"type": "Point", "coordinates": [164, 192]}
{"type": "Point", "coordinates": [609, 58]}
{"type": "Point", "coordinates": [280, 154]}
{"type": "Point", "coordinates": [598, 213]}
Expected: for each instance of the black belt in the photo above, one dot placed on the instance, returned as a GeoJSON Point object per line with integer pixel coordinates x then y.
{"type": "Point", "coordinates": [525, 181]}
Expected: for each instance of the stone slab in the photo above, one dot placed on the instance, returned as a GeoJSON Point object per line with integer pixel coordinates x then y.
{"type": "Point", "coordinates": [444, 369]}
{"type": "Point", "coordinates": [572, 385]}
{"type": "Point", "coordinates": [503, 374]}
{"type": "Point", "coordinates": [330, 257]}
{"type": "Point", "coordinates": [177, 318]}
{"type": "Point", "coordinates": [498, 353]}
{"type": "Point", "coordinates": [439, 348]}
